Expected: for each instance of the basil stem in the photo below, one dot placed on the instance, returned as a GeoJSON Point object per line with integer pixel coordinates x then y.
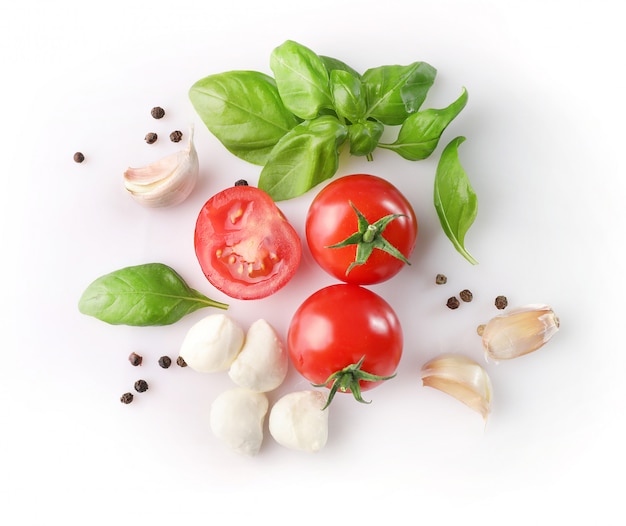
{"type": "Point", "coordinates": [306, 156]}
{"type": "Point", "coordinates": [243, 109]}
{"type": "Point", "coordinates": [455, 200]}
{"type": "Point", "coordinates": [420, 132]}
{"type": "Point", "coordinates": [142, 295]}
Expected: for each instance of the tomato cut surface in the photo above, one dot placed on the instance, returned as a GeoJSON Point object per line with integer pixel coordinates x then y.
{"type": "Point", "coordinates": [337, 327]}
{"type": "Point", "coordinates": [361, 229]}
{"type": "Point", "coordinates": [244, 244]}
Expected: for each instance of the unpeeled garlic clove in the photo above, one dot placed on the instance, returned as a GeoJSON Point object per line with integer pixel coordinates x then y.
{"type": "Point", "coordinates": [165, 182]}
{"type": "Point", "coordinates": [519, 331]}
{"type": "Point", "coordinates": [462, 378]}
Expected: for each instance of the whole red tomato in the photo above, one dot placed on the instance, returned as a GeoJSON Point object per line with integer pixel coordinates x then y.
{"type": "Point", "coordinates": [244, 244]}
{"type": "Point", "coordinates": [345, 337]}
{"type": "Point", "coordinates": [361, 229]}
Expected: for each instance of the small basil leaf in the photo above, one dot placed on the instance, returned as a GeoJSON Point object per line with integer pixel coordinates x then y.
{"type": "Point", "coordinates": [394, 92]}
{"type": "Point", "coordinates": [336, 64]}
{"type": "Point", "coordinates": [421, 131]}
{"type": "Point", "coordinates": [364, 137]}
{"type": "Point", "coordinates": [302, 79]}
{"type": "Point", "coordinates": [142, 295]}
{"type": "Point", "coordinates": [348, 98]}
{"type": "Point", "coordinates": [303, 158]}
{"type": "Point", "coordinates": [455, 200]}
{"type": "Point", "coordinates": [243, 109]}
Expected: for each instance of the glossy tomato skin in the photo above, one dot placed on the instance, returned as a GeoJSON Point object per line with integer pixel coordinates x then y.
{"type": "Point", "coordinates": [338, 325]}
{"type": "Point", "coordinates": [244, 244]}
{"type": "Point", "coordinates": [331, 219]}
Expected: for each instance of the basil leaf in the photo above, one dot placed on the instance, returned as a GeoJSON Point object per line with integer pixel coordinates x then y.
{"type": "Point", "coordinates": [348, 98]}
{"type": "Point", "coordinates": [303, 158]}
{"type": "Point", "coordinates": [364, 137]}
{"type": "Point", "coordinates": [302, 79]}
{"type": "Point", "coordinates": [150, 294]}
{"type": "Point", "coordinates": [243, 109]}
{"type": "Point", "coordinates": [421, 131]}
{"type": "Point", "coordinates": [336, 64]}
{"type": "Point", "coordinates": [455, 200]}
{"type": "Point", "coordinates": [394, 92]}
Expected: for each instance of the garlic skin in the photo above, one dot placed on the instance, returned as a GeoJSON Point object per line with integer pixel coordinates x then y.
{"type": "Point", "coordinates": [237, 418]}
{"type": "Point", "coordinates": [166, 182]}
{"type": "Point", "coordinates": [212, 344]}
{"type": "Point", "coordinates": [299, 421]}
{"type": "Point", "coordinates": [462, 378]}
{"type": "Point", "coordinates": [262, 363]}
{"type": "Point", "coordinates": [519, 331]}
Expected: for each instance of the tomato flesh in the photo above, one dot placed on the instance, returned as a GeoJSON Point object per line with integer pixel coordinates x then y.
{"type": "Point", "coordinates": [339, 325]}
{"type": "Point", "coordinates": [331, 219]}
{"type": "Point", "coordinates": [244, 244]}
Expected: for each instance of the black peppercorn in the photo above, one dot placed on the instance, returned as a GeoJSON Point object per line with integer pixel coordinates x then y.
{"type": "Point", "coordinates": [180, 361]}
{"type": "Point", "coordinates": [441, 279]}
{"type": "Point", "coordinates": [157, 112]}
{"type": "Point", "coordinates": [151, 137]}
{"type": "Point", "coordinates": [141, 386]}
{"type": "Point", "coordinates": [135, 359]}
{"type": "Point", "coordinates": [126, 398]}
{"type": "Point", "coordinates": [501, 302]}
{"type": "Point", "coordinates": [466, 295]}
{"type": "Point", "coordinates": [165, 361]}
{"type": "Point", "coordinates": [176, 136]}
{"type": "Point", "coordinates": [453, 303]}
{"type": "Point", "coordinates": [79, 157]}
{"type": "Point", "coordinates": [241, 182]}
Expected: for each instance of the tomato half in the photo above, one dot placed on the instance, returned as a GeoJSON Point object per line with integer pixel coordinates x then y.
{"type": "Point", "coordinates": [361, 229]}
{"type": "Point", "coordinates": [345, 337]}
{"type": "Point", "coordinates": [244, 244]}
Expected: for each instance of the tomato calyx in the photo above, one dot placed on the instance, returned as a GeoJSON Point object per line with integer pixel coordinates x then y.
{"type": "Point", "coordinates": [347, 379]}
{"type": "Point", "coordinates": [368, 237]}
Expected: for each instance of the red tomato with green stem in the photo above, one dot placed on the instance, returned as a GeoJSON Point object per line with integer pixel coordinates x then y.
{"type": "Point", "coordinates": [361, 229]}
{"type": "Point", "coordinates": [347, 338]}
{"type": "Point", "coordinates": [244, 244]}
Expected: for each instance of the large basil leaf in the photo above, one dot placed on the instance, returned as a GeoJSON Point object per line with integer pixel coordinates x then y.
{"type": "Point", "coordinates": [455, 200]}
{"type": "Point", "coordinates": [150, 294]}
{"type": "Point", "coordinates": [348, 97]}
{"type": "Point", "coordinates": [303, 158]}
{"type": "Point", "coordinates": [302, 79]}
{"type": "Point", "coordinates": [243, 109]}
{"type": "Point", "coordinates": [421, 131]}
{"type": "Point", "coordinates": [395, 92]}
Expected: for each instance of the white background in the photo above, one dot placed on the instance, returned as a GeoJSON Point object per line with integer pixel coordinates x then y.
{"type": "Point", "coordinates": [544, 127]}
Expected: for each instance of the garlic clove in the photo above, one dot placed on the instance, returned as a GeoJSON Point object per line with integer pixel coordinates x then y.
{"type": "Point", "coordinates": [462, 378]}
{"type": "Point", "coordinates": [167, 181]}
{"type": "Point", "coordinates": [519, 331]}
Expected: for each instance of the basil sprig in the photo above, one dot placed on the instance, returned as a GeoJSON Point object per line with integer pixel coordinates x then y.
{"type": "Point", "coordinates": [296, 123]}
{"type": "Point", "coordinates": [150, 294]}
{"type": "Point", "coordinates": [455, 200]}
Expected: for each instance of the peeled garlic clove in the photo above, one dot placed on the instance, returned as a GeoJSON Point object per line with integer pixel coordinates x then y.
{"type": "Point", "coordinates": [519, 331]}
{"type": "Point", "coordinates": [462, 378]}
{"type": "Point", "coordinates": [165, 182]}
